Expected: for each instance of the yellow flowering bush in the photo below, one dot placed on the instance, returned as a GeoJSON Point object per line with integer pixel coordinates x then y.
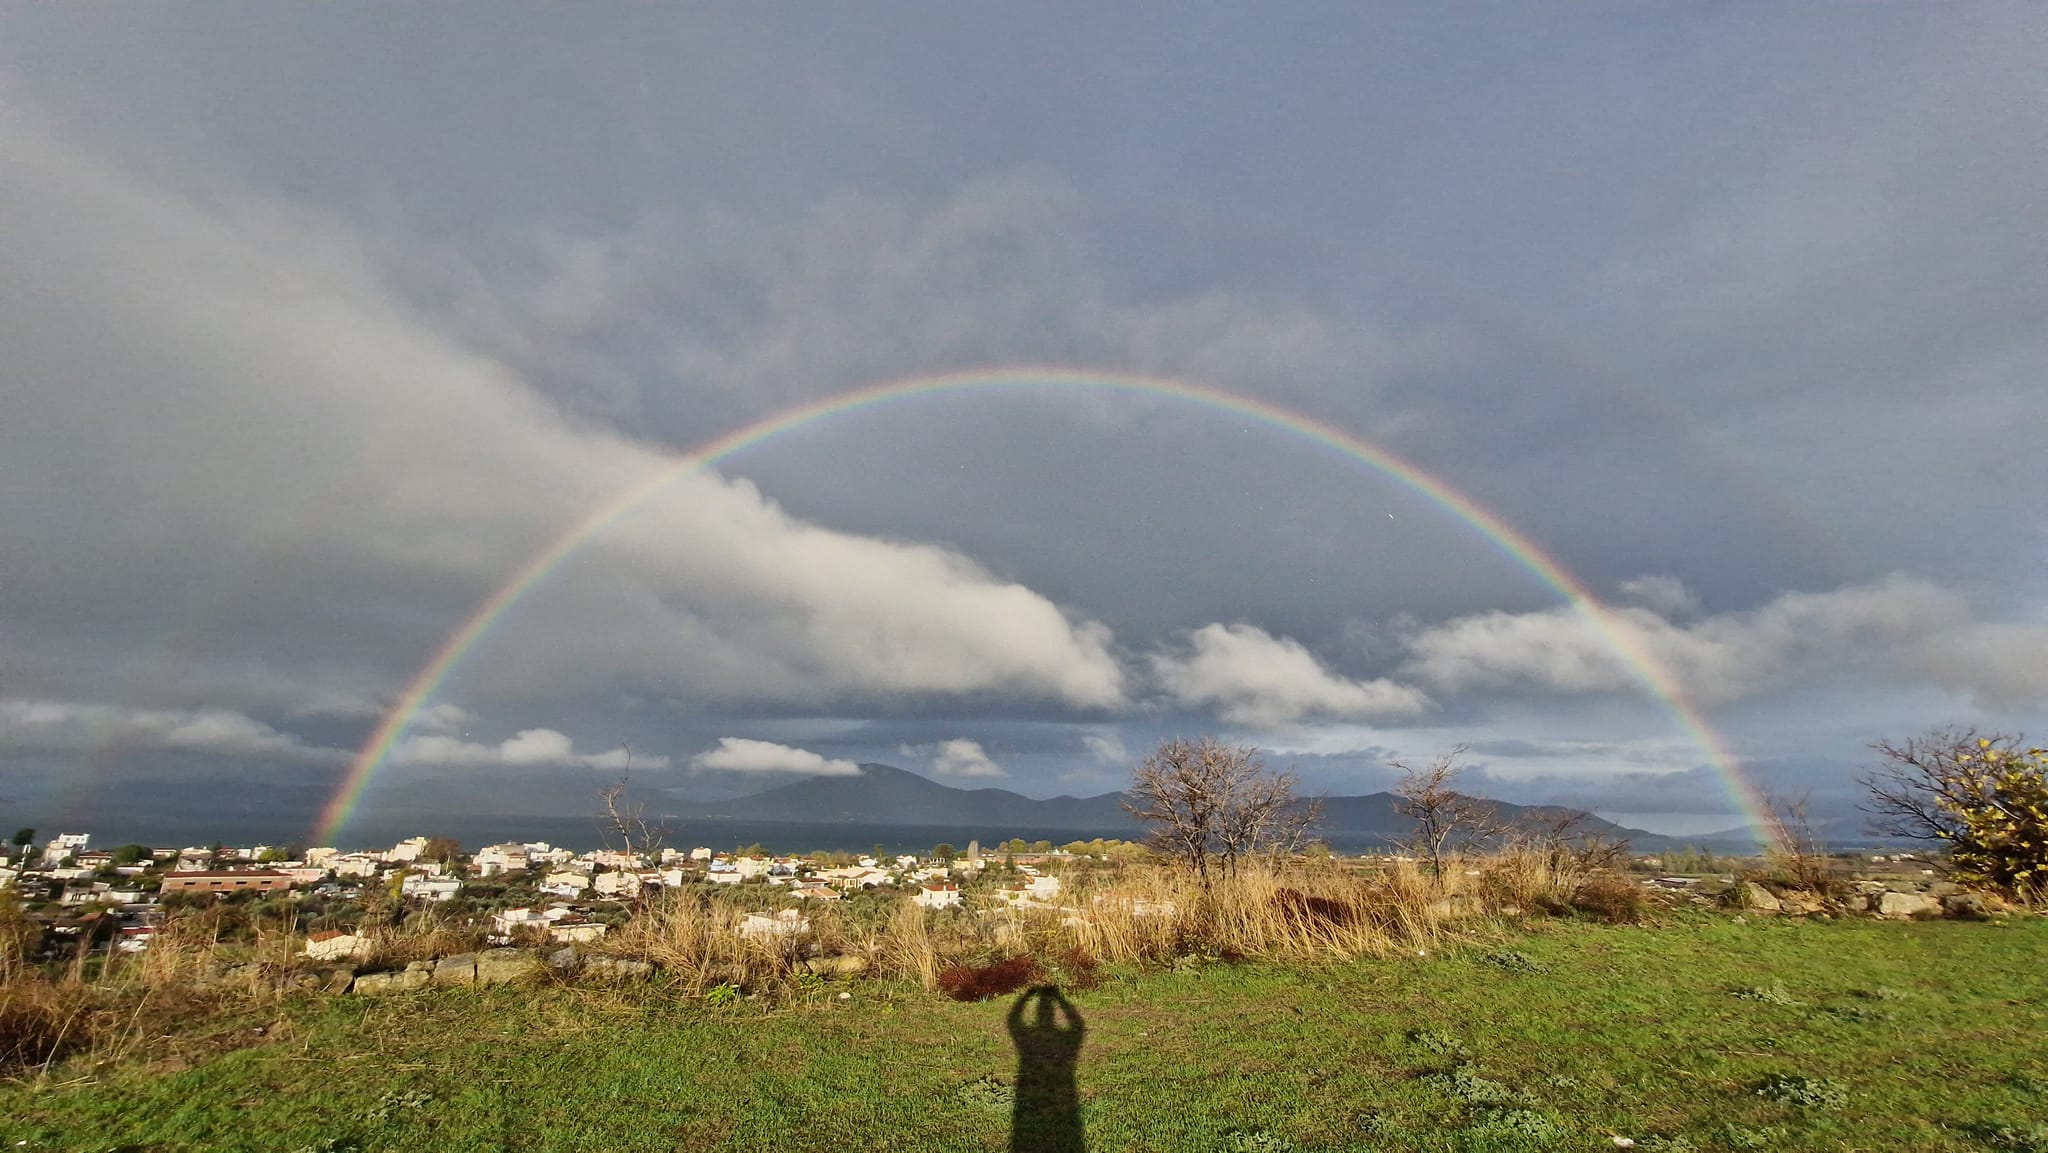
{"type": "Point", "coordinates": [1985, 797]}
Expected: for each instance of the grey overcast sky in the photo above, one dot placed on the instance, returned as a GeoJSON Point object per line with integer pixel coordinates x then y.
{"type": "Point", "coordinates": [316, 323]}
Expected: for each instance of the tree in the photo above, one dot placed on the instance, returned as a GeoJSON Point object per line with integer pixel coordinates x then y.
{"type": "Point", "coordinates": [24, 840]}
{"type": "Point", "coordinates": [1444, 817]}
{"type": "Point", "coordinates": [944, 852]}
{"type": "Point", "coordinates": [131, 854]}
{"type": "Point", "coordinates": [446, 850]}
{"type": "Point", "coordinates": [1984, 796]}
{"type": "Point", "coordinates": [627, 821]}
{"type": "Point", "coordinates": [1209, 801]}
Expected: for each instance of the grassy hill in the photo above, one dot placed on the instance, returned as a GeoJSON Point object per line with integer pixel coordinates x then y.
{"type": "Point", "coordinates": [1705, 1032]}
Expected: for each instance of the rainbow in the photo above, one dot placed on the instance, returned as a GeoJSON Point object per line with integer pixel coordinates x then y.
{"type": "Point", "coordinates": [1624, 641]}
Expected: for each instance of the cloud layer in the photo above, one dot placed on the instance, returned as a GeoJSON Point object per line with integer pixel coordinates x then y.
{"type": "Point", "coordinates": [1250, 677]}
{"type": "Point", "coordinates": [745, 755]}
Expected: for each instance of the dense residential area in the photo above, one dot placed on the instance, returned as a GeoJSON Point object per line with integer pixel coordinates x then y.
{"type": "Point", "coordinates": [81, 898]}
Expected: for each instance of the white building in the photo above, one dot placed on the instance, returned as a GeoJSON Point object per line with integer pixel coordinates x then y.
{"type": "Point", "coordinates": [355, 865]}
{"type": "Point", "coordinates": [495, 859]}
{"type": "Point", "coordinates": [62, 846]}
{"type": "Point", "coordinates": [430, 888]}
{"type": "Point", "coordinates": [618, 884]}
{"type": "Point", "coordinates": [565, 884]}
{"type": "Point", "coordinates": [407, 851]}
{"type": "Point", "coordinates": [938, 895]}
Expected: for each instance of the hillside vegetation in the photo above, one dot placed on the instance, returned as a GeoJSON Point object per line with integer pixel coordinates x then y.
{"type": "Point", "coordinates": [1704, 1032]}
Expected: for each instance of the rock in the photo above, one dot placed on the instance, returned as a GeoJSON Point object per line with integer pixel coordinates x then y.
{"type": "Point", "coordinates": [375, 984]}
{"type": "Point", "coordinates": [506, 965]}
{"type": "Point", "coordinates": [563, 959]}
{"type": "Point", "coordinates": [419, 966]}
{"type": "Point", "coordinates": [1453, 908]}
{"type": "Point", "coordinates": [339, 980]}
{"type": "Point", "coordinates": [1943, 888]}
{"type": "Point", "coordinates": [1758, 899]}
{"type": "Point", "coordinates": [617, 968]}
{"type": "Point", "coordinates": [1905, 905]}
{"type": "Point", "coordinates": [836, 966]}
{"type": "Point", "coordinates": [1801, 904]}
{"type": "Point", "coordinates": [457, 970]}
{"type": "Point", "coordinates": [1966, 906]}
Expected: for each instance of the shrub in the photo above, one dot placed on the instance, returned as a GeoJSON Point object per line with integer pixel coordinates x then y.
{"type": "Point", "coordinates": [1805, 1092]}
{"type": "Point", "coordinates": [1467, 1084]}
{"type": "Point", "coordinates": [2014, 1138]}
{"type": "Point", "coordinates": [1606, 897]}
{"type": "Point", "coordinates": [1513, 960]}
{"type": "Point", "coordinates": [1986, 798]}
{"type": "Point", "coordinates": [980, 982]}
{"type": "Point", "coordinates": [1774, 993]}
{"type": "Point", "coordinates": [1302, 910]}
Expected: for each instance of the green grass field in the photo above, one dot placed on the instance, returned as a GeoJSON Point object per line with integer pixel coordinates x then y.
{"type": "Point", "coordinates": [1865, 1036]}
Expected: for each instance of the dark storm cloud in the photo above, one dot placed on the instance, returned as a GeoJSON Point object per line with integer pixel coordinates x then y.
{"type": "Point", "coordinates": [320, 324]}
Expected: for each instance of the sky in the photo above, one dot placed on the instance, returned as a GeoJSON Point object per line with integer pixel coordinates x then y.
{"type": "Point", "coordinates": [320, 324]}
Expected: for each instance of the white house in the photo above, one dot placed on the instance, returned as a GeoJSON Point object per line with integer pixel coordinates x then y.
{"type": "Point", "coordinates": [491, 860]}
{"type": "Point", "coordinates": [938, 895]}
{"type": "Point", "coordinates": [430, 888]}
{"type": "Point", "coordinates": [565, 884]}
{"type": "Point", "coordinates": [355, 865]}
{"type": "Point", "coordinates": [62, 846]}
{"type": "Point", "coordinates": [814, 890]}
{"type": "Point", "coordinates": [407, 851]}
{"type": "Point", "coordinates": [700, 853]}
{"type": "Point", "coordinates": [619, 884]}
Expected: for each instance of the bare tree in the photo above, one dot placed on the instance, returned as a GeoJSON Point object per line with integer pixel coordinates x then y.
{"type": "Point", "coordinates": [627, 820]}
{"type": "Point", "coordinates": [1444, 817]}
{"type": "Point", "coordinates": [1796, 850]}
{"type": "Point", "coordinates": [1209, 801]}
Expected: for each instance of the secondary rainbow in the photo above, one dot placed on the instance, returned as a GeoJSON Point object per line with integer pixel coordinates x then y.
{"type": "Point", "coordinates": [1624, 641]}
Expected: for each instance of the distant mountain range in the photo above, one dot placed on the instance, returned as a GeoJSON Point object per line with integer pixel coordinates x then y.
{"type": "Point", "coordinates": [884, 794]}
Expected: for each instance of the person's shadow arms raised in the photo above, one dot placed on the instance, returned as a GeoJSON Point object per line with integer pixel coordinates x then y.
{"type": "Point", "coordinates": [1047, 1118]}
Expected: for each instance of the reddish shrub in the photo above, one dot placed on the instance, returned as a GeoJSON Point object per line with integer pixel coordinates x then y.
{"type": "Point", "coordinates": [980, 982]}
{"type": "Point", "coordinates": [1077, 968]}
{"type": "Point", "coordinates": [1615, 900]}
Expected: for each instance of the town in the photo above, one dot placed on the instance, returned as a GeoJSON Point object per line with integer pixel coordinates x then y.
{"type": "Point", "coordinates": [95, 899]}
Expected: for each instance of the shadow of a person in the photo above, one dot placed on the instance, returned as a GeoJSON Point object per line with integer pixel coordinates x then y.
{"type": "Point", "coordinates": [1047, 1117]}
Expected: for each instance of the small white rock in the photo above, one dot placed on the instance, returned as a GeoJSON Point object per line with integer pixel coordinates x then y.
{"type": "Point", "coordinates": [1624, 1143]}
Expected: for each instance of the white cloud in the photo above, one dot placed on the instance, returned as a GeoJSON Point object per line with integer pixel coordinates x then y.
{"type": "Point", "coordinates": [1106, 747]}
{"type": "Point", "coordinates": [1251, 677]}
{"type": "Point", "coordinates": [77, 726]}
{"type": "Point", "coordinates": [741, 755]}
{"type": "Point", "coordinates": [442, 718]}
{"type": "Point", "coordinates": [527, 747]}
{"type": "Point", "coordinates": [1665, 595]}
{"type": "Point", "coordinates": [400, 466]}
{"type": "Point", "coordinates": [963, 758]}
{"type": "Point", "coordinates": [1902, 629]}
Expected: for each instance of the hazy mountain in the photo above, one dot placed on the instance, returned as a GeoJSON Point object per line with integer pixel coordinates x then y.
{"type": "Point", "coordinates": [883, 794]}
